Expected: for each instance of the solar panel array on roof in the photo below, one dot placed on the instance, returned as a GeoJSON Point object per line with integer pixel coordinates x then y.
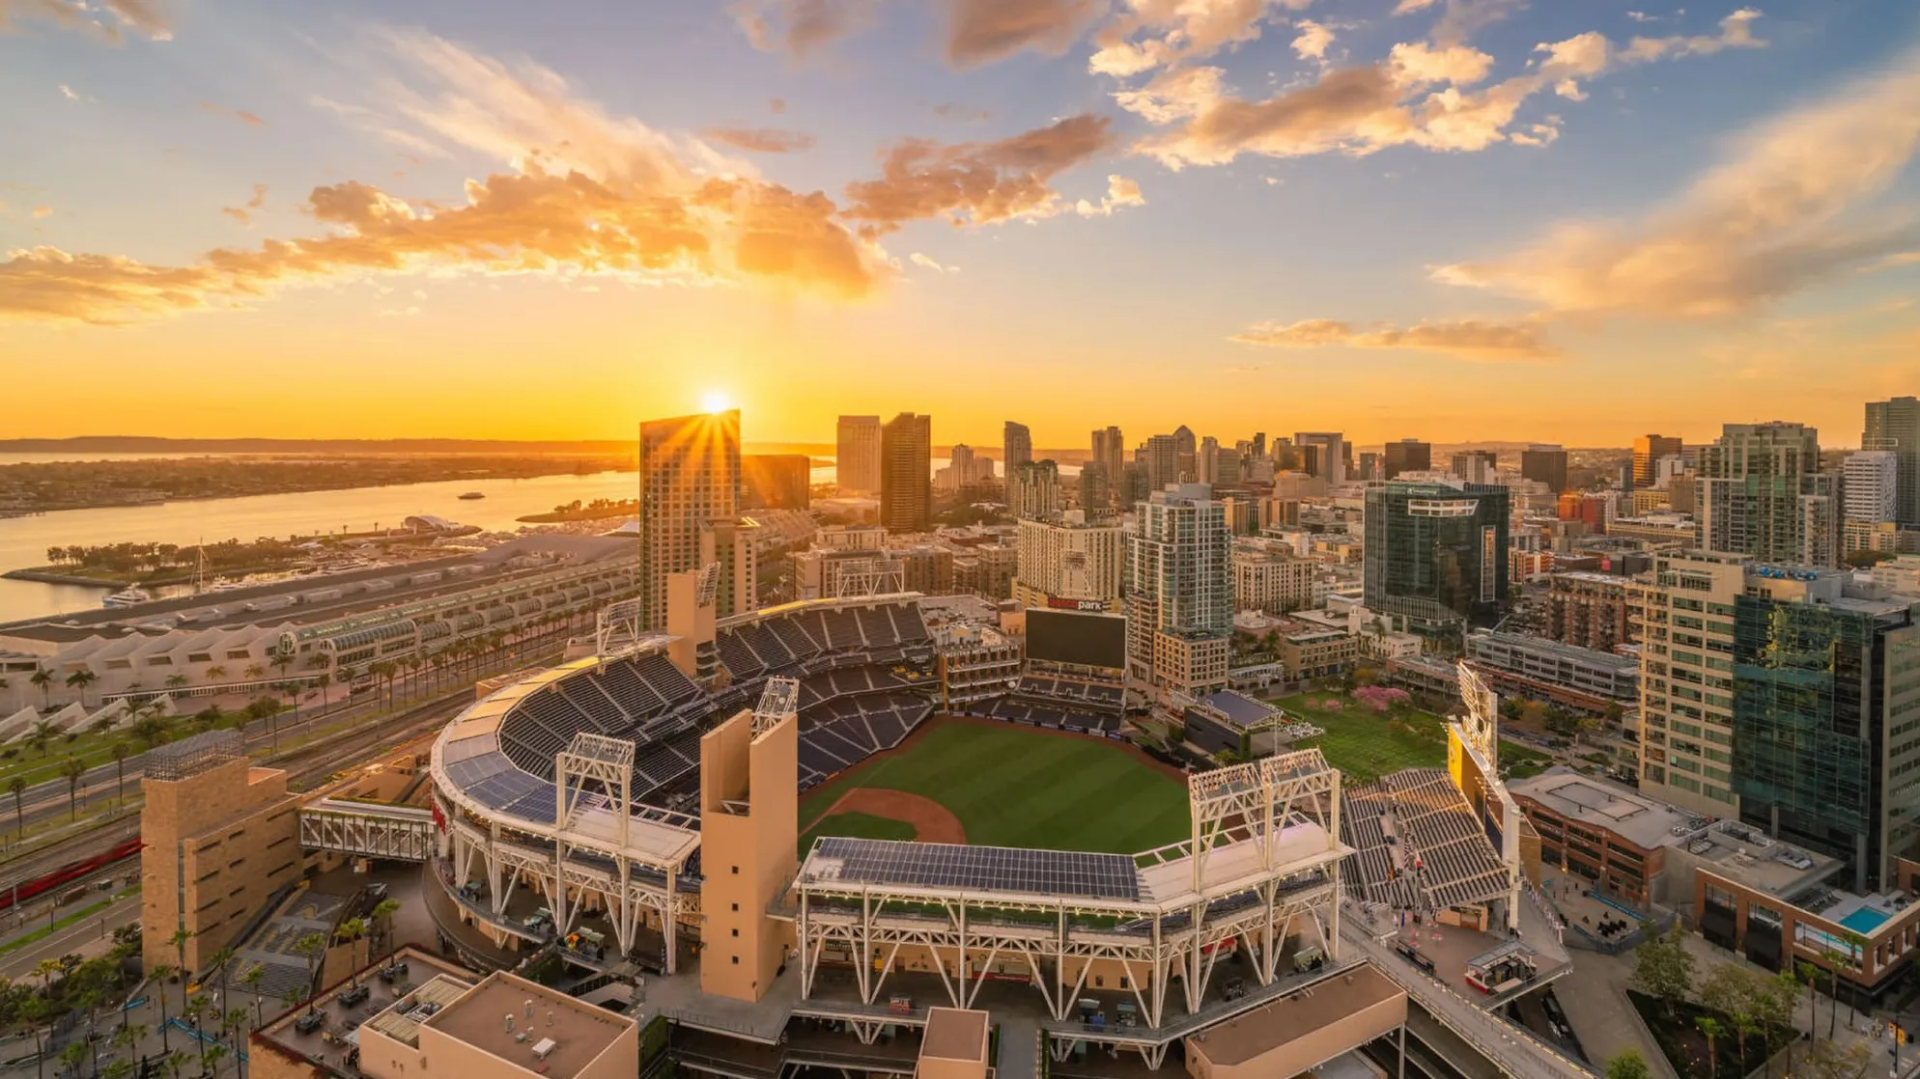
{"type": "Point", "coordinates": [986, 869]}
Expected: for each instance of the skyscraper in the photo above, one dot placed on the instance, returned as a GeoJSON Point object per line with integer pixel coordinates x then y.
{"type": "Point", "coordinates": [1110, 449]}
{"type": "Point", "coordinates": [857, 455]}
{"type": "Point", "coordinates": [1016, 446]}
{"type": "Point", "coordinates": [1436, 553]}
{"type": "Point", "coordinates": [1330, 461]}
{"type": "Point", "coordinates": [1761, 494]}
{"type": "Point", "coordinates": [1406, 455]}
{"type": "Point", "coordinates": [1647, 451]}
{"type": "Point", "coordinates": [1069, 560]}
{"type": "Point", "coordinates": [1179, 591]}
{"type": "Point", "coordinates": [1096, 489]}
{"type": "Point", "coordinates": [776, 481]}
{"type": "Point", "coordinates": [1475, 466]}
{"type": "Point", "coordinates": [689, 479]}
{"type": "Point", "coordinates": [1206, 461]}
{"type": "Point", "coordinates": [1545, 463]}
{"type": "Point", "coordinates": [1033, 491]}
{"type": "Point", "coordinates": [1895, 425]}
{"type": "Point", "coordinates": [1186, 450]}
{"type": "Point", "coordinates": [1872, 486]}
{"type": "Point", "coordinates": [906, 482]}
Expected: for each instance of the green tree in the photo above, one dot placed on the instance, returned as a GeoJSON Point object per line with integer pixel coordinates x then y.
{"type": "Point", "coordinates": [73, 1056]}
{"type": "Point", "coordinates": [176, 681]}
{"type": "Point", "coordinates": [1663, 968]}
{"type": "Point", "coordinates": [72, 770]}
{"type": "Point", "coordinates": [119, 753]}
{"type": "Point", "coordinates": [44, 679]}
{"type": "Point", "coordinates": [311, 947]}
{"type": "Point", "coordinates": [41, 735]}
{"type": "Point", "coordinates": [353, 930]}
{"type": "Point", "coordinates": [251, 978]}
{"type": "Point", "coordinates": [17, 786]}
{"type": "Point", "coordinates": [80, 680]}
{"type": "Point", "coordinates": [1628, 1064]}
{"type": "Point", "coordinates": [1709, 1028]}
{"type": "Point", "coordinates": [151, 730]}
{"type": "Point", "coordinates": [382, 917]}
{"type": "Point", "coordinates": [160, 973]}
{"type": "Point", "coordinates": [34, 1011]}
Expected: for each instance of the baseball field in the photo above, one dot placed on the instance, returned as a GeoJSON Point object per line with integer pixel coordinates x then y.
{"type": "Point", "coordinates": [997, 784]}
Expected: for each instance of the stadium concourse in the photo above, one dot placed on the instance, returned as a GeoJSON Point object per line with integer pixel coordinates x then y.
{"type": "Point", "coordinates": [634, 811]}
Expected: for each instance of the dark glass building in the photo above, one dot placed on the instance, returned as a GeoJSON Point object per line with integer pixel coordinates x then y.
{"type": "Point", "coordinates": [1407, 455]}
{"type": "Point", "coordinates": [1825, 698]}
{"type": "Point", "coordinates": [1437, 554]}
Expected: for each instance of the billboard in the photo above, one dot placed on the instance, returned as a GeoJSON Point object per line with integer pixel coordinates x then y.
{"type": "Point", "coordinates": [1083, 639]}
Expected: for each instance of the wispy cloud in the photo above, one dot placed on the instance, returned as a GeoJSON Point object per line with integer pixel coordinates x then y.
{"type": "Point", "coordinates": [106, 20]}
{"type": "Point", "coordinates": [241, 115]}
{"type": "Point", "coordinates": [928, 262]}
{"type": "Point", "coordinates": [983, 31]}
{"type": "Point", "coordinates": [1773, 218]}
{"type": "Point", "coordinates": [760, 140]}
{"type": "Point", "coordinates": [244, 213]}
{"type": "Point", "coordinates": [1121, 192]}
{"type": "Point", "coordinates": [976, 183]}
{"type": "Point", "coordinates": [1467, 340]}
{"type": "Point", "coordinates": [799, 27]}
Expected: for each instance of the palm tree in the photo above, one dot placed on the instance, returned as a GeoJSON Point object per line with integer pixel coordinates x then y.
{"type": "Point", "coordinates": [80, 680]}
{"type": "Point", "coordinates": [176, 681]}
{"type": "Point", "coordinates": [216, 672]}
{"type": "Point", "coordinates": [73, 1056]}
{"type": "Point", "coordinates": [1744, 1027]}
{"type": "Point", "coordinates": [41, 735]}
{"type": "Point", "coordinates": [1710, 1029]}
{"type": "Point", "coordinates": [354, 929]}
{"type": "Point", "coordinates": [45, 969]}
{"type": "Point", "coordinates": [251, 978]}
{"type": "Point", "coordinates": [119, 752]}
{"type": "Point", "coordinates": [382, 916]}
{"type": "Point", "coordinates": [117, 1068]}
{"type": "Point", "coordinates": [312, 947]}
{"type": "Point", "coordinates": [151, 730]}
{"type": "Point", "coordinates": [72, 770]}
{"type": "Point", "coordinates": [44, 679]}
{"type": "Point", "coordinates": [254, 671]}
{"type": "Point", "coordinates": [32, 1010]}
{"type": "Point", "coordinates": [179, 941]}
{"type": "Point", "coordinates": [17, 786]}
{"type": "Point", "coordinates": [176, 1063]}
{"type": "Point", "coordinates": [161, 972]}
{"type": "Point", "coordinates": [220, 961]}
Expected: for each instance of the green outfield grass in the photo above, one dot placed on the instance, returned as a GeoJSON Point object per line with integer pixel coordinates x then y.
{"type": "Point", "coordinates": [1015, 787]}
{"type": "Point", "coordinates": [1365, 745]}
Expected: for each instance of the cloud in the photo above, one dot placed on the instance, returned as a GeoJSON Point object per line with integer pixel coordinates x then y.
{"type": "Point", "coordinates": [241, 115]}
{"type": "Point", "coordinates": [67, 92]}
{"type": "Point", "coordinates": [776, 105]}
{"type": "Point", "coordinates": [41, 212]}
{"type": "Point", "coordinates": [799, 27]}
{"type": "Point", "coordinates": [976, 183]}
{"type": "Point", "coordinates": [1641, 16]}
{"type": "Point", "coordinates": [1313, 40]}
{"type": "Point", "coordinates": [1164, 33]}
{"type": "Point", "coordinates": [1736, 32]}
{"type": "Point", "coordinates": [983, 31]}
{"type": "Point", "coordinates": [931, 263]}
{"type": "Point", "coordinates": [136, 16]}
{"type": "Point", "coordinates": [1120, 192]}
{"type": "Point", "coordinates": [1467, 340]}
{"type": "Point", "coordinates": [1408, 7]}
{"type": "Point", "coordinates": [1772, 219]}
{"type": "Point", "coordinates": [606, 197]}
{"type": "Point", "coordinates": [244, 214]}
{"type": "Point", "coordinates": [1363, 109]}
{"type": "Point", "coordinates": [763, 140]}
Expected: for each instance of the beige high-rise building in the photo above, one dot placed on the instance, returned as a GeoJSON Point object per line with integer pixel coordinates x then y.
{"type": "Point", "coordinates": [1071, 560]}
{"type": "Point", "coordinates": [857, 455]}
{"type": "Point", "coordinates": [1686, 679]}
{"type": "Point", "coordinates": [689, 479]}
{"type": "Point", "coordinates": [1267, 577]}
{"type": "Point", "coordinates": [222, 836]}
{"type": "Point", "coordinates": [1109, 448]}
{"type": "Point", "coordinates": [1033, 490]}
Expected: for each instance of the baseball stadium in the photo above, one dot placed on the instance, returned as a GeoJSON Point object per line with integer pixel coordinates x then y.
{"type": "Point", "coordinates": [645, 805]}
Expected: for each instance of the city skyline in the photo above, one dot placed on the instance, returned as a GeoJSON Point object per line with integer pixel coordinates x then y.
{"type": "Point", "coordinates": [1118, 212]}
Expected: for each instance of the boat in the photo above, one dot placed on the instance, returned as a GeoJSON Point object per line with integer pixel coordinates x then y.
{"type": "Point", "coordinates": [471, 496]}
{"type": "Point", "coordinates": [127, 597]}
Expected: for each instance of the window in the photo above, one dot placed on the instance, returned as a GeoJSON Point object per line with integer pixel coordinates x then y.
{"type": "Point", "coordinates": [736, 870]}
{"type": "Point", "coordinates": [736, 932]}
{"type": "Point", "coordinates": [736, 960]}
{"type": "Point", "coordinates": [736, 908]}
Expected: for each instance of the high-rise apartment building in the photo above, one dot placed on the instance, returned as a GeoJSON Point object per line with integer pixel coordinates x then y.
{"type": "Point", "coordinates": [1406, 455]}
{"type": "Point", "coordinates": [1760, 493]}
{"type": "Point", "coordinates": [1686, 679]}
{"type": "Point", "coordinates": [1330, 456]}
{"type": "Point", "coordinates": [964, 469]}
{"type": "Point", "coordinates": [689, 479]}
{"type": "Point", "coordinates": [1647, 451]}
{"type": "Point", "coordinates": [1070, 561]}
{"type": "Point", "coordinates": [1436, 553]}
{"type": "Point", "coordinates": [1872, 485]}
{"type": "Point", "coordinates": [1033, 490]}
{"type": "Point", "coordinates": [1179, 591]}
{"type": "Point", "coordinates": [906, 483]}
{"type": "Point", "coordinates": [857, 455]}
{"type": "Point", "coordinates": [1894, 425]}
{"type": "Point", "coordinates": [1016, 446]}
{"type": "Point", "coordinates": [1096, 488]}
{"type": "Point", "coordinates": [1186, 451]}
{"type": "Point", "coordinates": [1591, 610]}
{"type": "Point", "coordinates": [1545, 464]}
{"type": "Point", "coordinates": [1206, 461]}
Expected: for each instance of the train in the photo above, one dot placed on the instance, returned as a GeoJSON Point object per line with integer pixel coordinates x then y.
{"type": "Point", "coordinates": [72, 871]}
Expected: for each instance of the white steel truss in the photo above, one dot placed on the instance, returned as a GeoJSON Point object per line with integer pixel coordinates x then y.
{"type": "Point", "coordinates": [779, 700]}
{"type": "Point", "coordinates": [399, 833]}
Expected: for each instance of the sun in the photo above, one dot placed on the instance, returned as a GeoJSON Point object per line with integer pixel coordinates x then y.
{"type": "Point", "coordinates": [716, 401]}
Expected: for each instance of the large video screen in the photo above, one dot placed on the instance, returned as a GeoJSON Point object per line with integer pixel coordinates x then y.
{"type": "Point", "coordinates": [1090, 640]}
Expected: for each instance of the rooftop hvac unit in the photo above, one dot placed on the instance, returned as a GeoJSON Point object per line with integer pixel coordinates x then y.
{"type": "Point", "coordinates": [544, 1048]}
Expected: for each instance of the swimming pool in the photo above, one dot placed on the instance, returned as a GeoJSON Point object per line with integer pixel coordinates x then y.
{"type": "Point", "coordinates": [1865, 920]}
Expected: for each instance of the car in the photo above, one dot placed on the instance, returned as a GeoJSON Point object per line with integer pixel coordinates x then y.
{"type": "Point", "coordinates": [377, 890]}
{"type": "Point", "coordinates": [354, 996]}
{"type": "Point", "coordinates": [309, 1022]}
